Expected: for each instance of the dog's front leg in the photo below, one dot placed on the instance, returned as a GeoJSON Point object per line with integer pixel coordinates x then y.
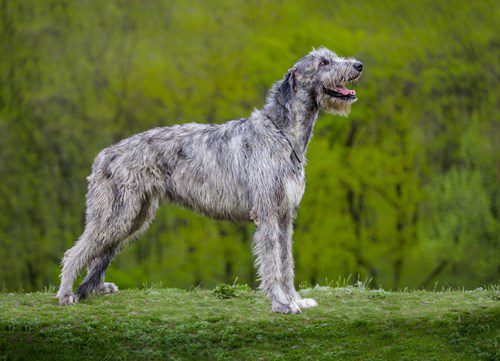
{"type": "Point", "coordinates": [287, 263]}
{"type": "Point", "coordinates": [268, 250]}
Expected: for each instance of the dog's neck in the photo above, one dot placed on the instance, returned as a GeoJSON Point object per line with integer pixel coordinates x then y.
{"type": "Point", "coordinates": [295, 119]}
{"type": "Point", "coordinates": [303, 115]}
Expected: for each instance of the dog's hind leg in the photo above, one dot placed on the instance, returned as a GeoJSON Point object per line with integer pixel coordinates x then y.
{"type": "Point", "coordinates": [75, 259]}
{"type": "Point", "coordinates": [112, 216]}
{"type": "Point", "coordinates": [93, 250]}
{"type": "Point", "coordinates": [94, 281]}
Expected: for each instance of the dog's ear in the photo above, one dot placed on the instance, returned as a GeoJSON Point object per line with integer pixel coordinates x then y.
{"type": "Point", "coordinates": [293, 78]}
{"type": "Point", "coordinates": [287, 86]}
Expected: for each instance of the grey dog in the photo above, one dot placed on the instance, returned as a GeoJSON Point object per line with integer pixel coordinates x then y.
{"type": "Point", "coordinates": [250, 169]}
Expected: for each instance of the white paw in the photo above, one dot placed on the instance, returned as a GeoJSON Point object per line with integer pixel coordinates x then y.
{"type": "Point", "coordinates": [66, 300]}
{"type": "Point", "coordinates": [290, 308]}
{"type": "Point", "coordinates": [108, 288]}
{"type": "Point", "coordinates": [306, 303]}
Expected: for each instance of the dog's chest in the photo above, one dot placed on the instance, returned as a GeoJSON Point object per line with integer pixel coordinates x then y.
{"type": "Point", "coordinates": [294, 189]}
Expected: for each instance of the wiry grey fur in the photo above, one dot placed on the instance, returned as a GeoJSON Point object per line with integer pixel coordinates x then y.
{"type": "Point", "coordinates": [242, 170]}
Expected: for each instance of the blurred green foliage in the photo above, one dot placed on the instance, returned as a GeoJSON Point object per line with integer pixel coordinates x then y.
{"type": "Point", "coordinates": [404, 191]}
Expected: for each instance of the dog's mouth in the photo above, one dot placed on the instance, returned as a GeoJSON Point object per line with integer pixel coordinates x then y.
{"type": "Point", "coordinates": [341, 92]}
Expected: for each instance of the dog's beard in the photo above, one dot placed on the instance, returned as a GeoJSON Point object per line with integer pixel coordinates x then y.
{"type": "Point", "coordinates": [335, 106]}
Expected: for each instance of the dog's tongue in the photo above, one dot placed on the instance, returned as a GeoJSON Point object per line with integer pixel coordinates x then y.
{"type": "Point", "coordinates": [344, 90]}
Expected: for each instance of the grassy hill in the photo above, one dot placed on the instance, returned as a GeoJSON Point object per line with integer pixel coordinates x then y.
{"type": "Point", "coordinates": [350, 323]}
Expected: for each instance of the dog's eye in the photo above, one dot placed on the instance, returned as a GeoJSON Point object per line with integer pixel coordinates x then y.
{"type": "Point", "coordinates": [324, 62]}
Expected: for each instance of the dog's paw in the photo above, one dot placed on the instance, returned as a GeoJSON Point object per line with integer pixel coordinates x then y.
{"type": "Point", "coordinates": [66, 300]}
{"type": "Point", "coordinates": [108, 288]}
{"type": "Point", "coordinates": [306, 303]}
{"type": "Point", "coordinates": [290, 308]}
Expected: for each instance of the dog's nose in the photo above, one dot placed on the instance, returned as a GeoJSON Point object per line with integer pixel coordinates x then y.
{"type": "Point", "coordinates": [358, 66]}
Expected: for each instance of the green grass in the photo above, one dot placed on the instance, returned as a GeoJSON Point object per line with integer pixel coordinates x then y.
{"type": "Point", "coordinates": [350, 323]}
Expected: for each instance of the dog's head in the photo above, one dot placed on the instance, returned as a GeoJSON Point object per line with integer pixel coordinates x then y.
{"type": "Point", "coordinates": [322, 76]}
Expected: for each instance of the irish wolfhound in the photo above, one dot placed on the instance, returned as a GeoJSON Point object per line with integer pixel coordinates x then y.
{"type": "Point", "coordinates": [250, 169]}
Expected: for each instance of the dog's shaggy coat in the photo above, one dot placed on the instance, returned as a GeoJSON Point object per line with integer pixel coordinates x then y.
{"type": "Point", "coordinates": [242, 170]}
